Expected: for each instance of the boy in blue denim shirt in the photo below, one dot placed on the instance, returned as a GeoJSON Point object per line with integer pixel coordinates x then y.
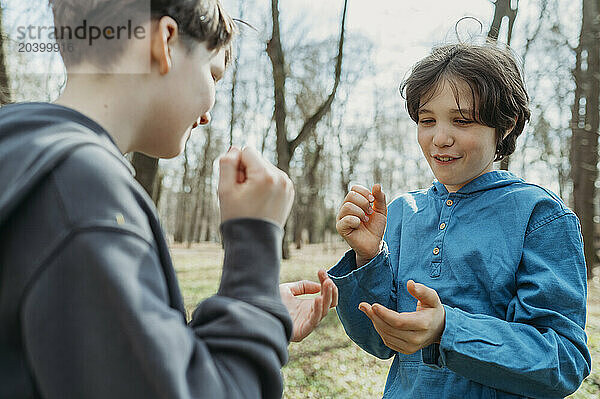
{"type": "Point", "coordinates": [495, 298]}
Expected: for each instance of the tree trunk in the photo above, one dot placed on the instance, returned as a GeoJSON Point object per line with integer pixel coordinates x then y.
{"type": "Point", "coordinates": [312, 179]}
{"type": "Point", "coordinates": [181, 215]}
{"type": "Point", "coordinates": [199, 188]}
{"type": "Point", "coordinates": [5, 96]}
{"type": "Point", "coordinates": [285, 147]}
{"type": "Point", "coordinates": [146, 169]}
{"type": "Point", "coordinates": [585, 128]}
{"type": "Point", "coordinates": [232, 118]}
{"type": "Point", "coordinates": [308, 198]}
{"type": "Point", "coordinates": [234, 75]}
{"type": "Point", "coordinates": [503, 9]}
{"type": "Point", "coordinates": [207, 209]}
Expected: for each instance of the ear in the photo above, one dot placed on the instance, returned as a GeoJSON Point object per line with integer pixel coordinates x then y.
{"type": "Point", "coordinates": [164, 36]}
{"type": "Point", "coordinates": [509, 130]}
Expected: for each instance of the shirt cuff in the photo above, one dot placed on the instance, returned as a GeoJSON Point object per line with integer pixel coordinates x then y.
{"type": "Point", "coordinates": [449, 334]}
{"type": "Point", "coordinates": [434, 355]}
{"type": "Point", "coordinates": [431, 356]}
{"type": "Point", "coordinates": [252, 259]}
{"type": "Point", "coordinates": [345, 271]}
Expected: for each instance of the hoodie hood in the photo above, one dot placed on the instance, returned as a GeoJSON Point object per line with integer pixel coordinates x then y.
{"type": "Point", "coordinates": [34, 139]}
{"type": "Point", "coordinates": [487, 181]}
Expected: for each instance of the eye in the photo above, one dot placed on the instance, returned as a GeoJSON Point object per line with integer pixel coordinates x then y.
{"type": "Point", "coordinates": [426, 121]}
{"type": "Point", "coordinates": [464, 122]}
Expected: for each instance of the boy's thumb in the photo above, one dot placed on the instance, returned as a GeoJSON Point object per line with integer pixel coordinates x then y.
{"type": "Point", "coordinates": [427, 296]}
{"type": "Point", "coordinates": [380, 204]}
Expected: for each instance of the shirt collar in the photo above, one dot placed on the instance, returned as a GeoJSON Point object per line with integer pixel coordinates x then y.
{"type": "Point", "coordinates": [487, 181]}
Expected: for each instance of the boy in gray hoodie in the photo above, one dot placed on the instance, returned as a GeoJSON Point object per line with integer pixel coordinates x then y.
{"type": "Point", "coordinates": [89, 301]}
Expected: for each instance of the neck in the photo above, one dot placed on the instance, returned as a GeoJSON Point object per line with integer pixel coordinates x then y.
{"type": "Point", "coordinates": [453, 189]}
{"type": "Point", "coordinates": [99, 98]}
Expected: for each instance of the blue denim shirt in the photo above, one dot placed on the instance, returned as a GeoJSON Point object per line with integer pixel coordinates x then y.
{"type": "Point", "coordinates": [506, 258]}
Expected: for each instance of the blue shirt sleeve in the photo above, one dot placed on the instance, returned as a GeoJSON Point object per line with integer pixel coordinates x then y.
{"type": "Point", "coordinates": [540, 349]}
{"type": "Point", "coordinates": [371, 283]}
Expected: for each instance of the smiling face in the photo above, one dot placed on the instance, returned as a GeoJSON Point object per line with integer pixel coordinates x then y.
{"type": "Point", "coordinates": [457, 148]}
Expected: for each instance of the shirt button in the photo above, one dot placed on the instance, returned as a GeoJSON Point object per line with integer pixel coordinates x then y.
{"type": "Point", "coordinates": [449, 202]}
{"type": "Point", "coordinates": [436, 250]}
{"type": "Point", "coordinates": [442, 226]}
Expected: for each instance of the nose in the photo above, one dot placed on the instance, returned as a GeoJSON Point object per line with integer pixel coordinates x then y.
{"type": "Point", "coordinates": [442, 137]}
{"type": "Point", "coordinates": [205, 119]}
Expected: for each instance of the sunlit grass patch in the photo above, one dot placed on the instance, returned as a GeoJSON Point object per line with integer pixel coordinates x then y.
{"type": "Point", "coordinates": [327, 364]}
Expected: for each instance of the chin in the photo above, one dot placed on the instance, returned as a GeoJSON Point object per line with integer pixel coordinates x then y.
{"type": "Point", "coordinates": [170, 155]}
{"type": "Point", "coordinates": [167, 147]}
{"type": "Point", "coordinates": [163, 152]}
{"type": "Point", "coordinates": [448, 181]}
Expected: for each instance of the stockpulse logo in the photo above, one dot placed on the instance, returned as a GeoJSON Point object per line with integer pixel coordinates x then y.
{"type": "Point", "coordinates": [89, 33]}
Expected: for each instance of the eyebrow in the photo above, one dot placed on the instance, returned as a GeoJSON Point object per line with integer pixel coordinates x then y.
{"type": "Point", "coordinates": [464, 111]}
{"type": "Point", "coordinates": [461, 111]}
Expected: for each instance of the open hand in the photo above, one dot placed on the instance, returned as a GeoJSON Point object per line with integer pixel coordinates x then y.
{"type": "Point", "coordinates": [361, 224]}
{"type": "Point", "coordinates": [407, 332]}
{"type": "Point", "coordinates": [306, 313]}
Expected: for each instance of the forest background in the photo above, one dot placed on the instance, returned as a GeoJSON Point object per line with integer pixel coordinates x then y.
{"type": "Point", "coordinates": [314, 86]}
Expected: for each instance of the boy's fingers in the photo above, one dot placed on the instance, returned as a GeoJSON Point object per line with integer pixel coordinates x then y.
{"type": "Point", "coordinates": [327, 296]}
{"type": "Point", "coordinates": [331, 287]}
{"type": "Point", "coordinates": [387, 333]}
{"type": "Point", "coordinates": [384, 313]}
{"type": "Point", "coordinates": [252, 161]}
{"type": "Point", "coordinates": [241, 175]}
{"type": "Point", "coordinates": [317, 312]}
{"type": "Point", "coordinates": [334, 300]}
{"type": "Point", "coordinates": [349, 208]}
{"type": "Point", "coordinates": [363, 191]}
{"type": "Point", "coordinates": [229, 166]}
{"type": "Point", "coordinates": [347, 224]}
{"type": "Point", "coordinates": [382, 326]}
{"type": "Point", "coordinates": [305, 287]}
{"type": "Point", "coordinates": [380, 204]}
{"type": "Point", "coordinates": [406, 321]}
{"type": "Point", "coordinates": [322, 274]}
{"type": "Point", "coordinates": [359, 200]}
{"type": "Point", "coordinates": [366, 309]}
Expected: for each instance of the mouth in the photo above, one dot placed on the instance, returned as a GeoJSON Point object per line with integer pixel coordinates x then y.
{"type": "Point", "coordinates": [196, 124]}
{"type": "Point", "coordinates": [445, 159]}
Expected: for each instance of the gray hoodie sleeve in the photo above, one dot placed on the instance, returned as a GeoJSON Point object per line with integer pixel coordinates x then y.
{"type": "Point", "coordinates": [96, 321]}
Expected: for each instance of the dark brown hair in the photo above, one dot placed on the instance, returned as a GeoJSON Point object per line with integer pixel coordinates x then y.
{"type": "Point", "coordinates": [498, 93]}
{"type": "Point", "coordinates": [198, 21]}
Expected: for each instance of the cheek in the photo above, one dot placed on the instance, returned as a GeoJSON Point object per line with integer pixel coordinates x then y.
{"type": "Point", "coordinates": [490, 145]}
{"type": "Point", "coordinates": [211, 95]}
{"type": "Point", "coordinates": [423, 139]}
{"type": "Point", "coordinates": [484, 149]}
{"type": "Point", "coordinates": [204, 94]}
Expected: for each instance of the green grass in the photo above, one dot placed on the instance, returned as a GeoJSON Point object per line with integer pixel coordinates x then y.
{"type": "Point", "coordinates": [327, 364]}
